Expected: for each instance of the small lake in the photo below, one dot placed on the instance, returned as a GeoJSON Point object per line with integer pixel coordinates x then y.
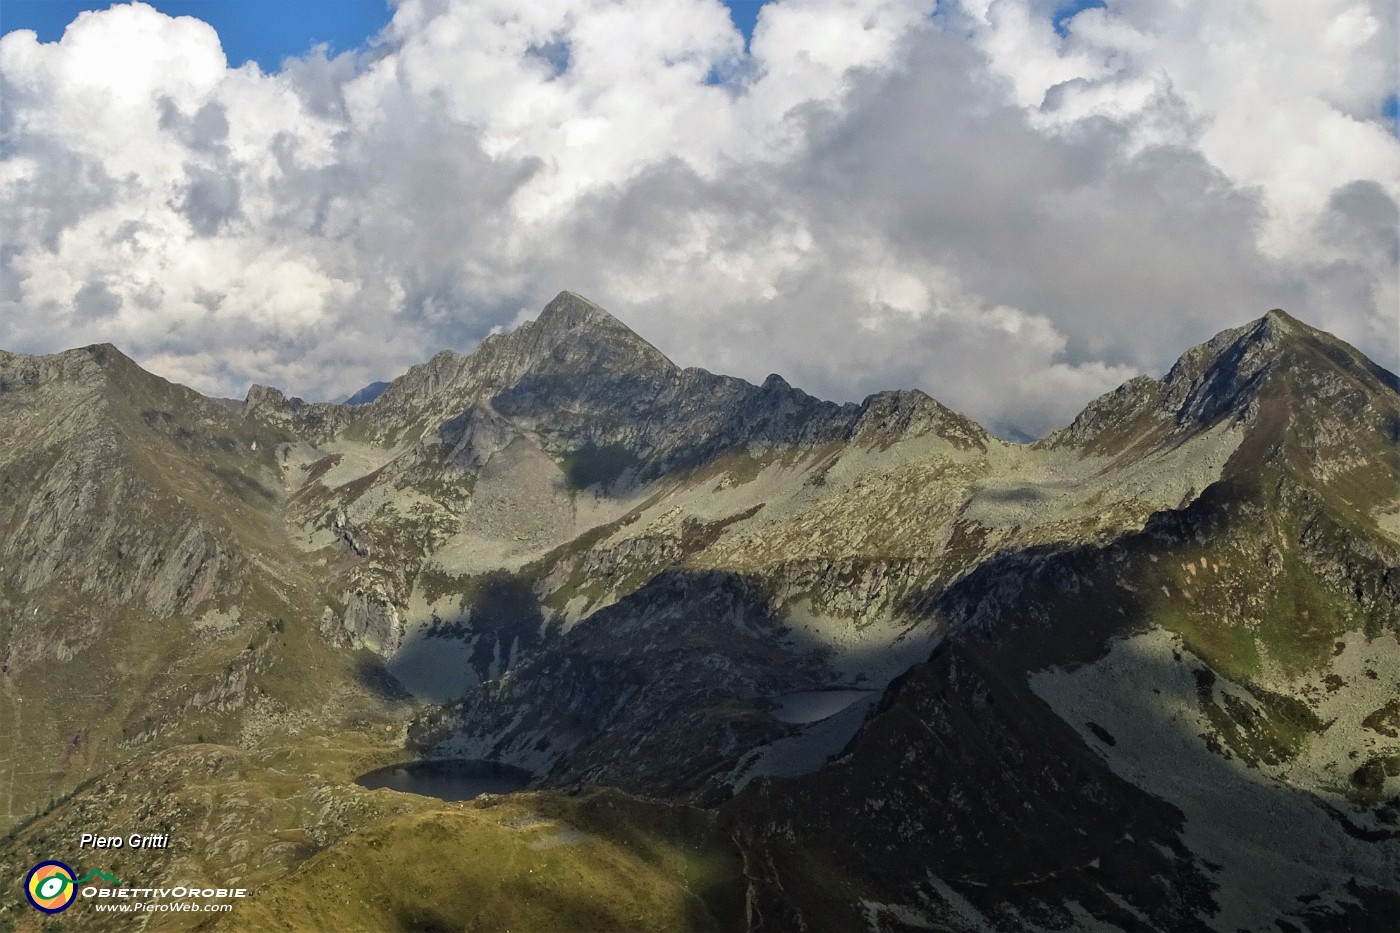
{"type": "Point", "coordinates": [815, 705]}
{"type": "Point", "coordinates": [448, 780]}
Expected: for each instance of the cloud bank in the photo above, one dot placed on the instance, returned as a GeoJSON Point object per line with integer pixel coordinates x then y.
{"type": "Point", "coordinates": [872, 194]}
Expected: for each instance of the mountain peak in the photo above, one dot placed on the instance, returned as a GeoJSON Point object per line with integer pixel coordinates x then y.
{"type": "Point", "coordinates": [105, 356]}
{"type": "Point", "coordinates": [570, 310]}
{"type": "Point", "coordinates": [1265, 333]}
{"type": "Point", "coordinates": [94, 365]}
{"type": "Point", "coordinates": [572, 329]}
{"type": "Point", "coordinates": [1226, 377]}
{"type": "Point", "coordinates": [104, 352]}
{"type": "Point", "coordinates": [262, 398]}
{"type": "Point", "coordinates": [894, 415]}
{"type": "Point", "coordinates": [366, 394]}
{"type": "Point", "coordinates": [570, 314]}
{"type": "Point", "coordinates": [573, 338]}
{"type": "Point", "coordinates": [1228, 371]}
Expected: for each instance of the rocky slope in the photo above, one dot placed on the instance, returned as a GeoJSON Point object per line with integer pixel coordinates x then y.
{"type": "Point", "coordinates": [1165, 730]}
{"type": "Point", "coordinates": [147, 589]}
{"type": "Point", "coordinates": [919, 677]}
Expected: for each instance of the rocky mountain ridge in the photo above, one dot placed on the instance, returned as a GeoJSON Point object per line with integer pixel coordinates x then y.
{"type": "Point", "coordinates": [566, 553]}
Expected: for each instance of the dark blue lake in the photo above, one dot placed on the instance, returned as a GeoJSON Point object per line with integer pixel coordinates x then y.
{"type": "Point", "coordinates": [448, 780]}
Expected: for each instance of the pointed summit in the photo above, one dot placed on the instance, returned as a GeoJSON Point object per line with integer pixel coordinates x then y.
{"type": "Point", "coordinates": [1274, 353]}
{"type": "Point", "coordinates": [570, 310]}
{"type": "Point", "coordinates": [569, 313]}
{"type": "Point", "coordinates": [573, 332]}
{"type": "Point", "coordinates": [572, 338]}
{"type": "Point", "coordinates": [1229, 377]}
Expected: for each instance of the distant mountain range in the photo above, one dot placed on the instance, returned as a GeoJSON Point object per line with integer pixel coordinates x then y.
{"type": "Point", "coordinates": [774, 663]}
{"type": "Point", "coordinates": [367, 394]}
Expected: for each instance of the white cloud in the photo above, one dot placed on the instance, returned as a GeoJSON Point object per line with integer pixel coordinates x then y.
{"type": "Point", "coordinates": [877, 194]}
{"type": "Point", "coordinates": [1284, 97]}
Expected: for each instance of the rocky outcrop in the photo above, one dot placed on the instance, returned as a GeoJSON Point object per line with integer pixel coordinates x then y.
{"type": "Point", "coordinates": [372, 621]}
{"type": "Point", "coordinates": [888, 417]}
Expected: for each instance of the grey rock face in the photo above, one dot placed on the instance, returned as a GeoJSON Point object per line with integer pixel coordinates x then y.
{"type": "Point", "coordinates": [887, 417]}
{"type": "Point", "coordinates": [1227, 378]}
{"type": "Point", "coordinates": [372, 622]}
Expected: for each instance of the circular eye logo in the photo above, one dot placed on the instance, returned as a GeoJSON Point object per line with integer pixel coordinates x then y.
{"type": "Point", "coordinates": [50, 887]}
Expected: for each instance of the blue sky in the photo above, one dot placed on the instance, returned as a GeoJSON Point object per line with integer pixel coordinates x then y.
{"type": "Point", "coordinates": [265, 31]}
{"type": "Point", "coordinates": [1066, 11]}
{"type": "Point", "coordinates": [745, 15]}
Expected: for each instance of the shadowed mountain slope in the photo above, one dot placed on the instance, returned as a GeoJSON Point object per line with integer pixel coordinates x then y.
{"type": "Point", "coordinates": [1112, 730]}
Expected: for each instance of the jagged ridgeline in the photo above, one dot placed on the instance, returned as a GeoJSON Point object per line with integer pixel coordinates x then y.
{"type": "Point", "coordinates": [771, 663]}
